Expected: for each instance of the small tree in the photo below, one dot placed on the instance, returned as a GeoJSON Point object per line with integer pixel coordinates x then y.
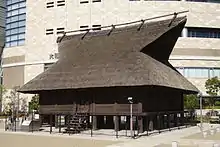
{"type": "Point", "coordinates": [2, 92]}
{"type": "Point", "coordinates": [191, 102]}
{"type": "Point", "coordinates": [212, 88]}
{"type": "Point", "coordinates": [12, 101]}
{"type": "Point", "coordinates": [34, 103]}
{"type": "Point", "coordinates": [24, 105]}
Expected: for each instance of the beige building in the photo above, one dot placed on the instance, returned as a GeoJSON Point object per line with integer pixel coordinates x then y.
{"type": "Point", "coordinates": [33, 27]}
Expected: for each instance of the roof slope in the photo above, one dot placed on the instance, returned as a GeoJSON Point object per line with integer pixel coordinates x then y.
{"type": "Point", "coordinates": [126, 57]}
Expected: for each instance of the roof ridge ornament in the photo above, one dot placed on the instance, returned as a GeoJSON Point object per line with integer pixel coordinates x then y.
{"type": "Point", "coordinates": [113, 27]}
{"type": "Point", "coordinates": [87, 31]}
{"type": "Point", "coordinates": [174, 17]}
{"type": "Point", "coordinates": [59, 40]}
{"type": "Point", "coordinates": [142, 23]}
{"type": "Point", "coordinates": [124, 24]}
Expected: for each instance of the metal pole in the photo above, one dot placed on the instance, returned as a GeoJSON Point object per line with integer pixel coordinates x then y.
{"type": "Point", "coordinates": [32, 121]}
{"type": "Point", "coordinates": [131, 120]}
{"type": "Point", "coordinates": [201, 121]}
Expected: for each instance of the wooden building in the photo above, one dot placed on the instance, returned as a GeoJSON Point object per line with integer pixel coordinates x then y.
{"type": "Point", "coordinates": [98, 70]}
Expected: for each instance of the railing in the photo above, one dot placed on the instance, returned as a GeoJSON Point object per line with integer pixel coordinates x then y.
{"type": "Point", "coordinates": [93, 109]}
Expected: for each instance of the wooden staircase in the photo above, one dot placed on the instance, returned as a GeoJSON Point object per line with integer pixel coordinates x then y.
{"type": "Point", "coordinates": [79, 121]}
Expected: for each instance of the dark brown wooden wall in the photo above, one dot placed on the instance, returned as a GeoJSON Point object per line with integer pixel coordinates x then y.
{"type": "Point", "coordinates": [152, 98]}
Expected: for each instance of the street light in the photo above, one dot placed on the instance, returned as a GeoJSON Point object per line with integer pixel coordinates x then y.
{"type": "Point", "coordinates": [200, 101]}
{"type": "Point", "coordinates": [130, 100]}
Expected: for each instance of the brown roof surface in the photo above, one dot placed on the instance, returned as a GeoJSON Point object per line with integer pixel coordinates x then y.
{"type": "Point", "coordinates": [126, 57]}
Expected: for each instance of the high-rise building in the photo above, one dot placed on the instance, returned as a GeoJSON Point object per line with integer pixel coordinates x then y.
{"type": "Point", "coordinates": [32, 28]}
{"type": "Point", "coordinates": [2, 41]}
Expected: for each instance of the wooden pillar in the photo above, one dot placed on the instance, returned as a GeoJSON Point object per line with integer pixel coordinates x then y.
{"type": "Point", "coordinates": [59, 123]}
{"type": "Point", "coordinates": [175, 119]}
{"type": "Point", "coordinates": [50, 123]}
{"type": "Point", "coordinates": [168, 118]}
{"type": "Point", "coordinates": [56, 121]}
{"type": "Point", "coordinates": [158, 122]}
{"type": "Point", "coordinates": [116, 123]}
{"type": "Point", "coordinates": [94, 122]}
{"type": "Point", "coordinates": [147, 124]}
{"type": "Point", "coordinates": [140, 124]}
{"type": "Point", "coordinates": [182, 118]}
{"type": "Point", "coordinates": [178, 120]}
{"type": "Point", "coordinates": [151, 123]}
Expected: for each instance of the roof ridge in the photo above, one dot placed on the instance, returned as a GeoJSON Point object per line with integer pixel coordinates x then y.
{"type": "Point", "coordinates": [142, 21]}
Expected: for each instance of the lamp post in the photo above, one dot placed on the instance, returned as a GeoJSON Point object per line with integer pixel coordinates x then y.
{"type": "Point", "coordinates": [130, 100]}
{"type": "Point", "coordinates": [200, 105]}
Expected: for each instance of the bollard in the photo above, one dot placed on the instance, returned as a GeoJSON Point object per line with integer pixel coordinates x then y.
{"type": "Point", "coordinates": [216, 145]}
{"type": "Point", "coordinates": [205, 134]}
{"type": "Point", "coordinates": [174, 144]}
{"type": "Point", "coordinates": [212, 132]}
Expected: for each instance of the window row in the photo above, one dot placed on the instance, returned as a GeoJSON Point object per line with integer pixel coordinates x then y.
{"type": "Point", "coordinates": [191, 72]}
{"type": "Point", "coordinates": [16, 12]}
{"type": "Point", "coordinates": [47, 65]}
{"type": "Point", "coordinates": [9, 2]}
{"type": "Point", "coordinates": [16, 6]}
{"type": "Point", "coordinates": [15, 43]}
{"type": "Point", "coordinates": [52, 4]}
{"type": "Point", "coordinates": [204, 32]}
{"type": "Point", "coordinates": [15, 25]}
{"type": "Point", "coordinates": [15, 37]}
{"type": "Point", "coordinates": [16, 18]}
{"type": "Point", "coordinates": [209, 1]}
{"type": "Point", "coordinates": [86, 27]}
{"type": "Point", "coordinates": [15, 31]}
{"type": "Point", "coordinates": [58, 31]}
{"type": "Point", "coordinates": [87, 1]}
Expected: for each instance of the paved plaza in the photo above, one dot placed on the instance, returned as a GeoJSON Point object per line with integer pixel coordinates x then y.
{"type": "Point", "coordinates": [185, 137]}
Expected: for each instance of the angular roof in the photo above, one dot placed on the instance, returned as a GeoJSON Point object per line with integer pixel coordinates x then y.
{"type": "Point", "coordinates": [124, 56]}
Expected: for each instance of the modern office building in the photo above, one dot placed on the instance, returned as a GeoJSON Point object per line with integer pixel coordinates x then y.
{"type": "Point", "coordinates": [2, 41]}
{"type": "Point", "coordinates": [32, 28]}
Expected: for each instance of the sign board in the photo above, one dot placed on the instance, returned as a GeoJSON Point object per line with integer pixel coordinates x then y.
{"type": "Point", "coordinates": [54, 56]}
{"type": "Point", "coordinates": [36, 116]}
{"type": "Point", "coordinates": [26, 123]}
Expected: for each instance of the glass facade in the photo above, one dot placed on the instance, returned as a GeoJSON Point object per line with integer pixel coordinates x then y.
{"type": "Point", "coordinates": [15, 23]}
{"type": "Point", "coordinates": [209, 1]}
{"type": "Point", "coordinates": [2, 42]}
{"type": "Point", "coordinates": [203, 32]}
{"type": "Point", "coordinates": [199, 72]}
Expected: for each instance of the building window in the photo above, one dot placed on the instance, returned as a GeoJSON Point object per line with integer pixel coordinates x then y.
{"type": "Point", "coordinates": [84, 1]}
{"type": "Point", "coordinates": [61, 3]}
{"type": "Point", "coordinates": [199, 72]}
{"type": "Point", "coordinates": [49, 31]}
{"type": "Point", "coordinates": [94, 1]}
{"type": "Point", "coordinates": [50, 4]}
{"type": "Point", "coordinates": [96, 27]}
{"type": "Point", "coordinates": [203, 32]}
{"type": "Point", "coordinates": [47, 65]}
{"type": "Point", "coordinates": [60, 30]}
{"type": "Point", "coordinates": [84, 28]}
{"type": "Point", "coordinates": [15, 23]}
{"type": "Point", "coordinates": [209, 1]}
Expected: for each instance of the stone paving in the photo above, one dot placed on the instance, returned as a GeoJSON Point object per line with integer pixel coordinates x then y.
{"type": "Point", "coordinates": [186, 137]}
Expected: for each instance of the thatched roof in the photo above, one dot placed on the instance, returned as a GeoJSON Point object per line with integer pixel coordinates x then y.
{"type": "Point", "coordinates": [126, 57]}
